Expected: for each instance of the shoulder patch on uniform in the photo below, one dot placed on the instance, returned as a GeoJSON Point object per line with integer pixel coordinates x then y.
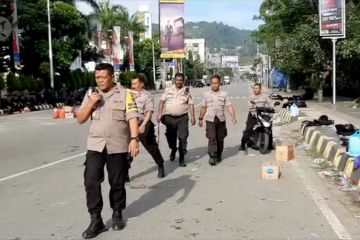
{"type": "Point", "coordinates": [130, 102]}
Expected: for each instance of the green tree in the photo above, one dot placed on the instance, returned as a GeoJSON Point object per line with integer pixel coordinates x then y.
{"type": "Point", "coordinates": [68, 32]}
{"type": "Point", "coordinates": [2, 81]}
{"type": "Point", "coordinates": [125, 78]}
{"type": "Point", "coordinates": [116, 15]}
{"type": "Point", "coordinates": [13, 82]}
{"type": "Point", "coordinates": [144, 60]}
{"type": "Point", "coordinates": [92, 3]}
{"type": "Point", "coordinates": [291, 35]}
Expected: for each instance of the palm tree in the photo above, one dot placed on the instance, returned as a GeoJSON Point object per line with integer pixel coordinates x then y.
{"type": "Point", "coordinates": [130, 23]}
{"type": "Point", "coordinates": [92, 3]}
{"type": "Point", "coordinates": [116, 15]}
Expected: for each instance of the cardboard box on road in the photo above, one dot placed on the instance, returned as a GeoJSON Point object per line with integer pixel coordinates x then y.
{"type": "Point", "coordinates": [270, 170]}
{"type": "Point", "coordinates": [69, 115]}
{"type": "Point", "coordinates": [285, 152]}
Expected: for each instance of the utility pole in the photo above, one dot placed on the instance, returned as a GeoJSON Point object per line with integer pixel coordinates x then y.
{"type": "Point", "coordinates": [50, 47]}
{"type": "Point", "coordinates": [153, 58]}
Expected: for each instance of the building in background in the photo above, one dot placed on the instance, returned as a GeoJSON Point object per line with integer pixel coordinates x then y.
{"type": "Point", "coordinates": [145, 18]}
{"type": "Point", "coordinates": [198, 48]}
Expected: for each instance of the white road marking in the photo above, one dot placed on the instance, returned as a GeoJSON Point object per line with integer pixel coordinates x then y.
{"type": "Point", "coordinates": [48, 124]}
{"type": "Point", "coordinates": [49, 164]}
{"type": "Point", "coordinates": [42, 167]}
{"type": "Point", "coordinates": [329, 215]}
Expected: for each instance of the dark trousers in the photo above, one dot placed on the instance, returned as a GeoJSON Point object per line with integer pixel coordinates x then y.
{"type": "Point", "coordinates": [177, 127]}
{"type": "Point", "coordinates": [117, 168]}
{"type": "Point", "coordinates": [250, 123]}
{"type": "Point", "coordinates": [216, 132]}
{"type": "Point", "coordinates": [148, 140]}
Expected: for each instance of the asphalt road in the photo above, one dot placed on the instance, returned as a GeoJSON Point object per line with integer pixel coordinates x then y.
{"type": "Point", "coordinates": [42, 194]}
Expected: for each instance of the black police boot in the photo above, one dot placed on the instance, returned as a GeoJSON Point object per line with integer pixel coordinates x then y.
{"type": "Point", "coordinates": [219, 158]}
{"type": "Point", "coordinates": [161, 171]}
{"type": "Point", "coordinates": [212, 159]}
{"type": "Point", "coordinates": [182, 160]}
{"type": "Point", "coordinates": [117, 221]}
{"type": "Point", "coordinates": [242, 146]}
{"type": "Point", "coordinates": [96, 226]}
{"type": "Point", "coordinates": [172, 155]}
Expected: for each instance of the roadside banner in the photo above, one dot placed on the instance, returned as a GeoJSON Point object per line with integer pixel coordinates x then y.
{"type": "Point", "coordinates": [172, 28]}
{"type": "Point", "coordinates": [332, 18]}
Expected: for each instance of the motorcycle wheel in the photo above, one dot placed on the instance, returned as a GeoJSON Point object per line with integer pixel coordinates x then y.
{"type": "Point", "coordinates": [264, 143]}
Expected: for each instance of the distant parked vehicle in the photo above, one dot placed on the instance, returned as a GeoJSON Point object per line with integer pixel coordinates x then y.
{"type": "Point", "coordinates": [199, 83]}
{"type": "Point", "coordinates": [226, 80]}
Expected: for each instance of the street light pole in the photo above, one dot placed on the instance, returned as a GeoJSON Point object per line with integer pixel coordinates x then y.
{"type": "Point", "coordinates": [153, 62]}
{"type": "Point", "coordinates": [50, 47]}
{"type": "Point", "coordinates": [334, 70]}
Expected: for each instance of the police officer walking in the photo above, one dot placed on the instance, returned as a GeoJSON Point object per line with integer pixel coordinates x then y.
{"type": "Point", "coordinates": [213, 110]}
{"type": "Point", "coordinates": [257, 99]}
{"type": "Point", "coordinates": [113, 115]}
{"type": "Point", "coordinates": [145, 104]}
{"type": "Point", "coordinates": [173, 113]}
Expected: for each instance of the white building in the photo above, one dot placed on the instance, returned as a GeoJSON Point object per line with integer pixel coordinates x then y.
{"type": "Point", "coordinates": [198, 48]}
{"type": "Point", "coordinates": [145, 18]}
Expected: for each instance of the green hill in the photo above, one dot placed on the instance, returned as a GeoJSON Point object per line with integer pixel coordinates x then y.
{"type": "Point", "coordinates": [221, 36]}
{"type": "Point", "coordinates": [218, 35]}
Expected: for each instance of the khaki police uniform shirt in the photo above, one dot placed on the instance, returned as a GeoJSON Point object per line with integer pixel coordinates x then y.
{"type": "Point", "coordinates": [176, 101]}
{"type": "Point", "coordinates": [145, 103]}
{"type": "Point", "coordinates": [215, 103]}
{"type": "Point", "coordinates": [260, 100]}
{"type": "Point", "coordinates": [109, 121]}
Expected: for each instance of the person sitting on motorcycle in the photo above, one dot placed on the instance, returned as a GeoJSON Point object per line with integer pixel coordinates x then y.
{"type": "Point", "coordinates": [257, 99]}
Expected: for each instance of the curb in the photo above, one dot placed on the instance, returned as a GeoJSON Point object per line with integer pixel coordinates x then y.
{"type": "Point", "coordinates": [332, 151]}
{"type": "Point", "coordinates": [40, 107]}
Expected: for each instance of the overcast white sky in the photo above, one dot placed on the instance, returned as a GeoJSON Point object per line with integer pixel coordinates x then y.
{"type": "Point", "coordinates": [237, 13]}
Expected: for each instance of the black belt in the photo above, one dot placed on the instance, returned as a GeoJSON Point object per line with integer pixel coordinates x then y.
{"type": "Point", "coordinates": [176, 116]}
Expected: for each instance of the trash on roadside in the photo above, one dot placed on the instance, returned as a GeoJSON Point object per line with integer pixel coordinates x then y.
{"type": "Point", "coordinates": [319, 163]}
{"type": "Point", "coordinates": [341, 180]}
{"type": "Point", "coordinates": [349, 188]}
{"type": "Point", "coordinates": [328, 173]}
{"type": "Point", "coordinates": [357, 162]}
{"type": "Point", "coordinates": [285, 152]}
{"type": "Point", "coordinates": [270, 170]}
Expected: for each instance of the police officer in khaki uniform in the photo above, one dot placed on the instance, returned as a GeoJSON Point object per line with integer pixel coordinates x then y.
{"type": "Point", "coordinates": [257, 99]}
{"type": "Point", "coordinates": [145, 104]}
{"type": "Point", "coordinates": [173, 113]}
{"type": "Point", "coordinates": [113, 115]}
{"type": "Point", "coordinates": [213, 110]}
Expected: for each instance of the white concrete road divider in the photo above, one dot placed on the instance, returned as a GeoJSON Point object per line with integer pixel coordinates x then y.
{"type": "Point", "coordinates": [332, 151]}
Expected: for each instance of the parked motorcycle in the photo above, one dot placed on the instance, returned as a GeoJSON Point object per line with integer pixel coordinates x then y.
{"type": "Point", "coordinates": [261, 138]}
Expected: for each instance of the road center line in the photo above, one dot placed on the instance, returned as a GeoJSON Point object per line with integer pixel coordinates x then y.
{"type": "Point", "coordinates": [328, 213]}
{"type": "Point", "coordinates": [49, 164]}
{"type": "Point", "coordinates": [42, 167]}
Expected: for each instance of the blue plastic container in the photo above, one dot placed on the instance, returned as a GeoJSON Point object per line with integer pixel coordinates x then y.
{"type": "Point", "coordinates": [354, 144]}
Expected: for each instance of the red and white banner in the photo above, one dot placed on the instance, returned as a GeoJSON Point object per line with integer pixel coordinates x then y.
{"type": "Point", "coordinates": [332, 18]}
{"type": "Point", "coordinates": [15, 34]}
{"type": "Point", "coordinates": [117, 50]}
{"type": "Point", "coordinates": [131, 51]}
